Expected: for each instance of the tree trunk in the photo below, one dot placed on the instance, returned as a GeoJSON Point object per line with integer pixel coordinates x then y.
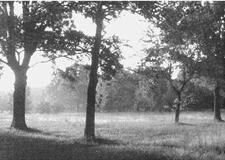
{"type": "Point", "coordinates": [217, 114]}
{"type": "Point", "coordinates": [89, 132]}
{"type": "Point", "coordinates": [177, 111]}
{"type": "Point", "coordinates": [221, 102]}
{"type": "Point", "coordinates": [18, 121]}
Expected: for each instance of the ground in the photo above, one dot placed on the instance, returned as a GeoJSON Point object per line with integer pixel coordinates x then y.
{"type": "Point", "coordinates": [121, 136]}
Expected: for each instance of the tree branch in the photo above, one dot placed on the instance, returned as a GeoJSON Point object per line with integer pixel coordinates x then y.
{"type": "Point", "coordinates": [173, 86]}
{"type": "Point", "coordinates": [1, 60]}
{"type": "Point", "coordinates": [49, 60]}
{"type": "Point", "coordinates": [4, 62]}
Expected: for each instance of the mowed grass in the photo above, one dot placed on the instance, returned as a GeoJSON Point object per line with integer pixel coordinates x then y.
{"type": "Point", "coordinates": [120, 136]}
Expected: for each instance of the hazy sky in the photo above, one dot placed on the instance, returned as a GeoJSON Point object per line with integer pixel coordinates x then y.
{"type": "Point", "coordinates": [128, 27]}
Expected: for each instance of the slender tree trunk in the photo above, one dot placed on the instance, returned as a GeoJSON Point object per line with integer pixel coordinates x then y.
{"type": "Point", "coordinates": [18, 121]}
{"type": "Point", "coordinates": [221, 102]}
{"type": "Point", "coordinates": [89, 132]}
{"type": "Point", "coordinates": [177, 111]}
{"type": "Point", "coordinates": [217, 114]}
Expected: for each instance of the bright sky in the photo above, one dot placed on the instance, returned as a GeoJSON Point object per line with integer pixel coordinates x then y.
{"type": "Point", "coordinates": [128, 27]}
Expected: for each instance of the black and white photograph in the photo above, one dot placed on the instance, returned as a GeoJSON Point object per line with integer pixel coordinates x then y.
{"type": "Point", "coordinates": [112, 80]}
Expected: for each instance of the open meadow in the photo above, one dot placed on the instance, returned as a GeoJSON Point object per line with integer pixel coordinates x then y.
{"type": "Point", "coordinates": [121, 136]}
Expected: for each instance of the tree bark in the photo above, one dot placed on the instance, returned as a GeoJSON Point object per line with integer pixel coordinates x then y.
{"type": "Point", "coordinates": [217, 114]}
{"type": "Point", "coordinates": [177, 111]}
{"type": "Point", "coordinates": [89, 132]}
{"type": "Point", "coordinates": [18, 121]}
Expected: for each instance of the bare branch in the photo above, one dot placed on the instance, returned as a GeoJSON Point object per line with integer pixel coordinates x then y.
{"type": "Point", "coordinates": [173, 86]}
{"type": "Point", "coordinates": [19, 52]}
{"type": "Point", "coordinates": [1, 60]}
{"type": "Point", "coordinates": [83, 49]}
{"type": "Point", "coordinates": [51, 59]}
{"type": "Point", "coordinates": [41, 62]}
{"type": "Point", "coordinates": [4, 62]}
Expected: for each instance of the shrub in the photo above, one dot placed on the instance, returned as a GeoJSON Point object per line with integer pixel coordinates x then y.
{"type": "Point", "coordinates": [43, 107]}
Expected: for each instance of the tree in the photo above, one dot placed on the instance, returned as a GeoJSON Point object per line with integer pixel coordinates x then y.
{"type": "Point", "coordinates": [28, 102]}
{"type": "Point", "coordinates": [201, 25]}
{"type": "Point", "coordinates": [121, 94]}
{"type": "Point", "coordinates": [99, 12]}
{"type": "Point", "coordinates": [208, 33]}
{"type": "Point", "coordinates": [69, 88]}
{"type": "Point", "coordinates": [165, 58]}
{"type": "Point", "coordinates": [130, 91]}
{"type": "Point", "coordinates": [40, 27]}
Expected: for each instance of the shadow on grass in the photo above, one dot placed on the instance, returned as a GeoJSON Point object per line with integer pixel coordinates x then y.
{"type": "Point", "coordinates": [13, 146]}
{"type": "Point", "coordinates": [104, 141]}
{"type": "Point", "coordinates": [98, 140]}
{"type": "Point", "coordinates": [219, 120]}
{"type": "Point", "coordinates": [185, 124]}
{"type": "Point", "coordinates": [34, 131]}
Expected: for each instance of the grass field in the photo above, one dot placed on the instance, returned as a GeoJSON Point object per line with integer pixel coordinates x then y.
{"type": "Point", "coordinates": [121, 136]}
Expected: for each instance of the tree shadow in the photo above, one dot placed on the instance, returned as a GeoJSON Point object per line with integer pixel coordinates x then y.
{"type": "Point", "coordinates": [104, 141]}
{"type": "Point", "coordinates": [32, 130]}
{"type": "Point", "coordinates": [16, 147]}
{"type": "Point", "coordinates": [185, 124]}
{"type": "Point", "coordinates": [219, 120]}
{"type": "Point", "coordinates": [97, 140]}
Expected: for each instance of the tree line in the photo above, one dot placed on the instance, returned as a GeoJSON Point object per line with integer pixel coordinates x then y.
{"type": "Point", "coordinates": [126, 92]}
{"type": "Point", "coordinates": [191, 41]}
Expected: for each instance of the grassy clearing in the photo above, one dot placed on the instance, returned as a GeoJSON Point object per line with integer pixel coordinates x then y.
{"type": "Point", "coordinates": [122, 136]}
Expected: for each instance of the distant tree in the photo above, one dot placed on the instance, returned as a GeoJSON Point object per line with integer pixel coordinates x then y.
{"type": "Point", "coordinates": [102, 93]}
{"type": "Point", "coordinates": [202, 25]}
{"type": "Point", "coordinates": [157, 90]}
{"type": "Point", "coordinates": [121, 93]}
{"type": "Point", "coordinates": [69, 88]}
{"type": "Point", "coordinates": [164, 59]}
{"type": "Point", "coordinates": [132, 91]}
{"type": "Point", "coordinates": [28, 104]}
{"type": "Point", "coordinates": [198, 96]}
{"type": "Point", "coordinates": [5, 101]}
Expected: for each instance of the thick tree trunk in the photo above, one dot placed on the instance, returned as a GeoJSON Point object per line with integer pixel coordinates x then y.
{"type": "Point", "coordinates": [18, 121]}
{"type": "Point", "coordinates": [177, 111]}
{"type": "Point", "coordinates": [89, 132]}
{"type": "Point", "coordinates": [217, 114]}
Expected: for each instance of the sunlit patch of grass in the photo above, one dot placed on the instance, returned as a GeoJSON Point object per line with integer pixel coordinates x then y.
{"type": "Point", "coordinates": [119, 136]}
